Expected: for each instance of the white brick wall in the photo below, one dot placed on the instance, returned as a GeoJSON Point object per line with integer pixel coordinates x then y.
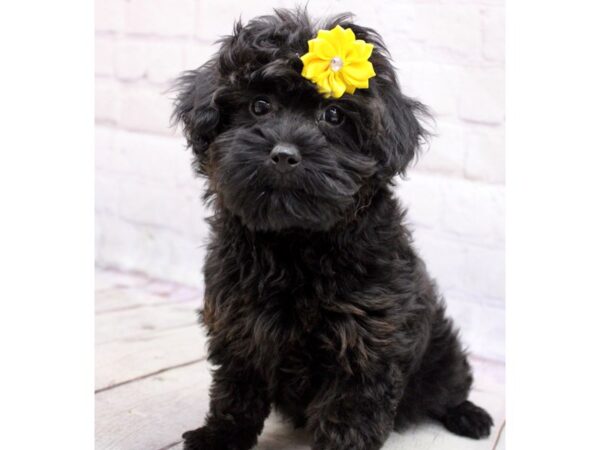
{"type": "Point", "coordinates": [449, 54]}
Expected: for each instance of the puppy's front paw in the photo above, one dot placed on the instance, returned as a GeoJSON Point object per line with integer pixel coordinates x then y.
{"type": "Point", "coordinates": [200, 439]}
{"type": "Point", "coordinates": [468, 420]}
{"type": "Point", "coordinates": [210, 439]}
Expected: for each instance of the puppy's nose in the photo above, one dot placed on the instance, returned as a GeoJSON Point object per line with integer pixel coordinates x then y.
{"type": "Point", "coordinates": [285, 157]}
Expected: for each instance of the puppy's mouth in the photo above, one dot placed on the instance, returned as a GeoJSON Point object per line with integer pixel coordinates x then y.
{"type": "Point", "coordinates": [279, 206]}
{"type": "Point", "coordinates": [286, 182]}
{"type": "Point", "coordinates": [266, 199]}
{"type": "Point", "coordinates": [310, 196]}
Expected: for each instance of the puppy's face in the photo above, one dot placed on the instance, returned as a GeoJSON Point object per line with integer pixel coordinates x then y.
{"type": "Point", "coordinates": [289, 158]}
{"type": "Point", "coordinates": [277, 153]}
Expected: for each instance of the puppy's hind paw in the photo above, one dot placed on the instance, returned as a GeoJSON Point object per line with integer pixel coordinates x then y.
{"type": "Point", "coordinates": [468, 419]}
{"type": "Point", "coordinates": [199, 439]}
{"type": "Point", "coordinates": [213, 439]}
{"type": "Point", "coordinates": [195, 439]}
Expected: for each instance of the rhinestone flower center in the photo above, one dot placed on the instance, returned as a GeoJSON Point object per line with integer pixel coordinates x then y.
{"type": "Point", "coordinates": [336, 63]}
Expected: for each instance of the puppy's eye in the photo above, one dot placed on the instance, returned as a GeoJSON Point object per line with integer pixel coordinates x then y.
{"type": "Point", "coordinates": [334, 115]}
{"type": "Point", "coordinates": [260, 106]}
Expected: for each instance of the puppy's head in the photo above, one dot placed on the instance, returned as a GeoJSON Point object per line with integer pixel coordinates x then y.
{"type": "Point", "coordinates": [276, 152]}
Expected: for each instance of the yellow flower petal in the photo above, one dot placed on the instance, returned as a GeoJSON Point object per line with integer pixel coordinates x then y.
{"type": "Point", "coordinates": [324, 34]}
{"type": "Point", "coordinates": [360, 51]}
{"type": "Point", "coordinates": [338, 87]}
{"type": "Point", "coordinates": [323, 84]}
{"type": "Point", "coordinates": [349, 37]}
{"type": "Point", "coordinates": [314, 67]}
{"type": "Point", "coordinates": [307, 60]}
{"type": "Point", "coordinates": [359, 70]}
{"type": "Point", "coordinates": [309, 57]}
{"type": "Point", "coordinates": [351, 68]}
{"type": "Point", "coordinates": [356, 83]}
{"type": "Point", "coordinates": [324, 39]}
{"type": "Point", "coordinates": [322, 48]}
{"type": "Point", "coordinates": [339, 40]}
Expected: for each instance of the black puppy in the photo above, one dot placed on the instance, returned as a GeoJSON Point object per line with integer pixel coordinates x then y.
{"type": "Point", "coordinates": [316, 302]}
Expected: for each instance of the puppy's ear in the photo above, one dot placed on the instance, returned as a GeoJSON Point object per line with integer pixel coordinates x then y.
{"type": "Point", "coordinates": [401, 132]}
{"type": "Point", "coordinates": [398, 132]}
{"type": "Point", "coordinates": [195, 108]}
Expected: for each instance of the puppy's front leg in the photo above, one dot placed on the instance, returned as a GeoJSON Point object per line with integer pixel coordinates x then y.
{"type": "Point", "coordinates": [355, 412]}
{"type": "Point", "coordinates": [239, 405]}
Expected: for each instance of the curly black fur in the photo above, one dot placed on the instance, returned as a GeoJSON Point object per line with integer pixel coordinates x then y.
{"type": "Point", "coordinates": [316, 302]}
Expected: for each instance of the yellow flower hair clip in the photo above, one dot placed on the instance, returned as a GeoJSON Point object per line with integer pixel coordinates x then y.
{"type": "Point", "coordinates": [337, 62]}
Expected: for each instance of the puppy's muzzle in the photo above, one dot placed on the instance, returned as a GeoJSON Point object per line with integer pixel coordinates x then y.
{"type": "Point", "coordinates": [285, 157]}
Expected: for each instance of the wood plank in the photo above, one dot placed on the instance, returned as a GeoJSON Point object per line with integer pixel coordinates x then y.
{"type": "Point", "coordinates": [152, 413]}
{"type": "Point", "coordinates": [123, 360]}
{"type": "Point", "coordinates": [501, 442]}
{"type": "Point", "coordinates": [127, 324]}
{"type": "Point", "coordinates": [109, 278]}
{"type": "Point", "coordinates": [117, 299]}
{"type": "Point", "coordinates": [117, 291]}
{"type": "Point", "coordinates": [121, 298]}
{"type": "Point", "coordinates": [143, 328]}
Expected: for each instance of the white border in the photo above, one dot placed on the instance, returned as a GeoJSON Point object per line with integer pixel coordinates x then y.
{"type": "Point", "coordinates": [46, 229]}
{"type": "Point", "coordinates": [552, 224]}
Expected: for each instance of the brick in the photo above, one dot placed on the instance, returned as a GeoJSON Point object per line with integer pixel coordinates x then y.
{"type": "Point", "coordinates": [197, 53]}
{"type": "Point", "coordinates": [158, 62]}
{"type": "Point", "coordinates": [131, 60]}
{"type": "Point", "coordinates": [104, 56]}
{"type": "Point", "coordinates": [485, 155]}
{"type": "Point", "coordinates": [445, 258]}
{"type": "Point", "coordinates": [154, 251]}
{"type": "Point", "coordinates": [399, 35]}
{"type": "Point", "coordinates": [445, 153]}
{"type": "Point", "coordinates": [179, 210]}
{"type": "Point", "coordinates": [364, 12]}
{"type": "Point", "coordinates": [107, 192]}
{"type": "Point", "coordinates": [216, 19]}
{"type": "Point", "coordinates": [484, 272]}
{"type": "Point", "coordinates": [435, 85]}
{"type": "Point", "coordinates": [104, 137]}
{"type": "Point", "coordinates": [166, 61]}
{"type": "Point", "coordinates": [482, 327]}
{"type": "Point", "coordinates": [146, 108]}
{"type": "Point", "coordinates": [106, 100]}
{"type": "Point", "coordinates": [452, 220]}
{"type": "Point", "coordinates": [482, 96]}
{"type": "Point", "coordinates": [468, 211]}
{"type": "Point", "coordinates": [157, 204]}
{"type": "Point", "coordinates": [165, 159]}
{"type": "Point", "coordinates": [493, 34]}
{"type": "Point", "coordinates": [160, 17]}
{"type": "Point", "coordinates": [422, 196]}
{"type": "Point", "coordinates": [473, 211]}
{"type": "Point", "coordinates": [444, 33]}
{"type": "Point", "coordinates": [108, 15]}
{"type": "Point", "coordinates": [104, 144]}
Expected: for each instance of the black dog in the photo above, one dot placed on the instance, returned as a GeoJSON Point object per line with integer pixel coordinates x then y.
{"type": "Point", "coordinates": [316, 302]}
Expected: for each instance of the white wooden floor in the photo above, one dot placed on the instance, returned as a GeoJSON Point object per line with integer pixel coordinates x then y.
{"type": "Point", "coordinates": [152, 376]}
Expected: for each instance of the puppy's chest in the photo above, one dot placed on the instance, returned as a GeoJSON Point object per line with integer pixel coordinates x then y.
{"type": "Point", "coordinates": [294, 347]}
{"type": "Point", "coordinates": [279, 310]}
{"type": "Point", "coordinates": [294, 297]}
{"type": "Point", "coordinates": [286, 318]}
